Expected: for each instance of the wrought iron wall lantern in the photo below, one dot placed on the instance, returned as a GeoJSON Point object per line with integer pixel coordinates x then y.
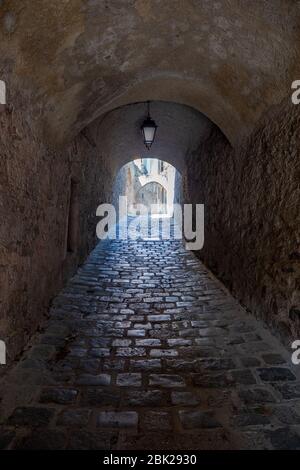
{"type": "Point", "coordinates": [148, 129]}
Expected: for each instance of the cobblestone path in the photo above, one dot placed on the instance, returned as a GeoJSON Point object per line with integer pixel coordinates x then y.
{"type": "Point", "coordinates": [145, 349]}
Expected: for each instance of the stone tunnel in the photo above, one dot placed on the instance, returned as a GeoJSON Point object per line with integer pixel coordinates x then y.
{"type": "Point", "coordinates": [134, 345]}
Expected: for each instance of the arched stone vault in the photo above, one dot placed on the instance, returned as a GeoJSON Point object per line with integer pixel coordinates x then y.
{"type": "Point", "coordinates": [231, 59]}
{"type": "Point", "coordinates": [180, 131]}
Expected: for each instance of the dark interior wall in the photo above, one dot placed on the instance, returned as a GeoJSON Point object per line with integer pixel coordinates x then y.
{"type": "Point", "coordinates": [36, 252]}
{"type": "Point", "coordinates": [252, 218]}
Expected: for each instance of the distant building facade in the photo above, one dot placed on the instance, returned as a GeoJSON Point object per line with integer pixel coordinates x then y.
{"type": "Point", "coordinates": [149, 181]}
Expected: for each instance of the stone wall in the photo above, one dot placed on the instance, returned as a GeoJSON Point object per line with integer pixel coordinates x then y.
{"type": "Point", "coordinates": [35, 185]}
{"type": "Point", "coordinates": [126, 184]}
{"type": "Point", "coordinates": [252, 219]}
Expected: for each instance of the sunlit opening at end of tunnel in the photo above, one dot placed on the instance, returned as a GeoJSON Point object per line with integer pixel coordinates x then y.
{"type": "Point", "coordinates": [151, 183]}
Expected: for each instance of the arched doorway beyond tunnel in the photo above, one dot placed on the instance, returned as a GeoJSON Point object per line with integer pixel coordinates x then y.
{"type": "Point", "coordinates": [153, 194]}
{"type": "Point", "coordinates": [151, 183]}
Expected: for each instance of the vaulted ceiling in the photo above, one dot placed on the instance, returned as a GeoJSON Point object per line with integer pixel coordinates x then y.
{"type": "Point", "coordinates": [79, 59]}
{"type": "Point", "coordinates": [180, 131]}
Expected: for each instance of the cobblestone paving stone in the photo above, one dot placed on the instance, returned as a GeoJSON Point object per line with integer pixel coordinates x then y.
{"type": "Point", "coordinates": [145, 349]}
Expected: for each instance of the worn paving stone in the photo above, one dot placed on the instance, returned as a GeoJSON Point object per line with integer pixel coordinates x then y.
{"type": "Point", "coordinates": [276, 374]}
{"type": "Point", "coordinates": [288, 391]}
{"type": "Point", "coordinates": [141, 326]}
{"type": "Point", "coordinates": [165, 380]}
{"type": "Point", "coordinates": [91, 440]}
{"type": "Point", "coordinates": [154, 420]}
{"type": "Point", "coordinates": [150, 342]}
{"type": "Point", "coordinates": [163, 353]}
{"type": "Point", "coordinates": [89, 379]}
{"type": "Point", "coordinates": [214, 438]}
{"type": "Point", "coordinates": [250, 418]}
{"type": "Point", "coordinates": [99, 342]}
{"type": "Point", "coordinates": [243, 376]}
{"type": "Point", "coordinates": [146, 364]}
{"type": "Point", "coordinates": [31, 416]}
{"type": "Point", "coordinates": [74, 417]}
{"type": "Point", "coordinates": [99, 352]}
{"type": "Point", "coordinates": [255, 347]}
{"type": "Point", "coordinates": [250, 361]}
{"type": "Point", "coordinates": [184, 398]}
{"type": "Point", "coordinates": [129, 380]}
{"type": "Point", "coordinates": [121, 342]}
{"type": "Point", "coordinates": [219, 380]}
{"type": "Point", "coordinates": [117, 419]}
{"type": "Point", "coordinates": [90, 365]}
{"type": "Point", "coordinates": [112, 365]}
{"type": "Point", "coordinates": [198, 419]}
{"type": "Point", "coordinates": [273, 359]}
{"type": "Point", "coordinates": [284, 439]}
{"type": "Point", "coordinates": [179, 342]}
{"type": "Point", "coordinates": [286, 414]}
{"type": "Point", "coordinates": [252, 396]}
{"type": "Point", "coordinates": [136, 333]}
{"type": "Point", "coordinates": [61, 396]}
{"type": "Point", "coordinates": [78, 352]}
{"type": "Point", "coordinates": [159, 318]}
{"type": "Point", "coordinates": [145, 398]}
{"type": "Point", "coordinates": [131, 352]}
{"type": "Point", "coordinates": [217, 364]}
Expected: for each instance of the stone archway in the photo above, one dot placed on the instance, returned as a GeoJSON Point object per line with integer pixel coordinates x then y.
{"type": "Point", "coordinates": [218, 75]}
{"type": "Point", "coordinates": [153, 193]}
{"type": "Point", "coordinates": [83, 61]}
